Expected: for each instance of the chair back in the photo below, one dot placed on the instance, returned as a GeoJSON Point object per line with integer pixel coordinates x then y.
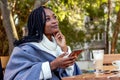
{"type": "Point", "coordinates": [109, 58]}
{"type": "Point", "coordinates": [4, 61]}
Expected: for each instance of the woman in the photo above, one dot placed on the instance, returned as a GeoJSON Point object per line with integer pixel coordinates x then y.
{"type": "Point", "coordinates": [43, 53]}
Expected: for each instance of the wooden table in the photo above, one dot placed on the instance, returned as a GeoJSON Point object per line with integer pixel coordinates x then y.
{"type": "Point", "coordinates": [94, 77]}
{"type": "Point", "coordinates": [104, 76]}
{"type": "Point", "coordinates": [109, 75]}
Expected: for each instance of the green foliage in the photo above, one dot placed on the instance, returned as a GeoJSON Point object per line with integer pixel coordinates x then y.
{"type": "Point", "coordinates": [117, 7]}
{"type": "Point", "coordinates": [21, 10]}
{"type": "Point", "coordinates": [118, 46]}
{"type": "Point", "coordinates": [4, 47]}
{"type": "Point", "coordinates": [71, 15]}
{"type": "Point", "coordinates": [72, 36]}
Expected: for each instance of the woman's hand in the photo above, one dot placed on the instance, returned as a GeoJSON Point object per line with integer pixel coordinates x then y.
{"type": "Point", "coordinates": [61, 62]}
{"type": "Point", "coordinates": [61, 41]}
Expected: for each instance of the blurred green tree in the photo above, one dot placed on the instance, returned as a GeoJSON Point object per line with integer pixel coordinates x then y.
{"type": "Point", "coordinates": [71, 14]}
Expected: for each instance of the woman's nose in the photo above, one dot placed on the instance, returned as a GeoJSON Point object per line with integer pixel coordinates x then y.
{"type": "Point", "coordinates": [54, 20]}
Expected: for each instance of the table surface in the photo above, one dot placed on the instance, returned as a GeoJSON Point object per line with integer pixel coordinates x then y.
{"type": "Point", "coordinates": [109, 71]}
{"type": "Point", "coordinates": [94, 77]}
{"type": "Point", "coordinates": [109, 74]}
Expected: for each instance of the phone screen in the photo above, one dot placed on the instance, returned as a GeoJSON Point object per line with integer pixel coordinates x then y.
{"type": "Point", "coordinates": [76, 53]}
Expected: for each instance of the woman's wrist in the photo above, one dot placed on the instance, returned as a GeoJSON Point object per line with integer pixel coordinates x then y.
{"type": "Point", "coordinates": [52, 66]}
{"type": "Point", "coordinates": [64, 48]}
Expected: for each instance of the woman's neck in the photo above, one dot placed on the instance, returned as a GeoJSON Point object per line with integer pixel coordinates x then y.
{"type": "Point", "coordinates": [49, 37]}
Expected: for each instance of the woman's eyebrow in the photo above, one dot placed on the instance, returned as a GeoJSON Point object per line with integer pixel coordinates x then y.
{"type": "Point", "coordinates": [49, 15]}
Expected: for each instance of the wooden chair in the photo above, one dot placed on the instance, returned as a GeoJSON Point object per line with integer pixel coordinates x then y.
{"type": "Point", "coordinates": [4, 61]}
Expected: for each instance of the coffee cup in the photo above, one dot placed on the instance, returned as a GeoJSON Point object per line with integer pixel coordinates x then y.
{"type": "Point", "coordinates": [98, 56]}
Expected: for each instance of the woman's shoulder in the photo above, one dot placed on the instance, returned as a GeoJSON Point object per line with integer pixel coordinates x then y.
{"type": "Point", "coordinates": [25, 47]}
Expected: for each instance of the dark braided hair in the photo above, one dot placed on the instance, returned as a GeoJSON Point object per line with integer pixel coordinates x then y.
{"type": "Point", "coordinates": [35, 25]}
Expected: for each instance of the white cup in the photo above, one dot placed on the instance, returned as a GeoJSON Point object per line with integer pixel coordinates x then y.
{"type": "Point", "coordinates": [98, 56]}
{"type": "Point", "coordinates": [116, 64]}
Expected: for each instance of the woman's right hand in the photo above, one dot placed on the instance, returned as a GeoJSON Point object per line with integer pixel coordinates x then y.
{"type": "Point", "coordinates": [61, 62]}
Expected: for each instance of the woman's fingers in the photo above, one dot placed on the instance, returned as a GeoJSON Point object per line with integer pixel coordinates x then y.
{"type": "Point", "coordinates": [67, 62]}
{"type": "Point", "coordinates": [62, 62]}
{"type": "Point", "coordinates": [59, 35]}
{"type": "Point", "coordinates": [64, 54]}
{"type": "Point", "coordinates": [70, 61]}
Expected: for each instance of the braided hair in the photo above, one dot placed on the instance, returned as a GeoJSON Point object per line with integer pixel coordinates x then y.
{"type": "Point", "coordinates": [36, 23]}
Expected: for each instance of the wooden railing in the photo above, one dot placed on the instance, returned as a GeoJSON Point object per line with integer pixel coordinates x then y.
{"type": "Point", "coordinates": [109, 58]}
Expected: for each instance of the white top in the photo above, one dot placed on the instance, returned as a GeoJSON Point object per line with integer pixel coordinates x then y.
{"type": "Point", "coordinates": [52, 48]}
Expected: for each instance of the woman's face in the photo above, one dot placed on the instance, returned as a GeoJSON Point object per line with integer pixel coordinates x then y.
{"type": "Point", "coordinates": [51, 26]}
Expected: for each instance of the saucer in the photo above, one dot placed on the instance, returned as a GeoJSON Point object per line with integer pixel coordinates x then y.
{"type": "Point", "coordinates": [111, 71]}
{"type": "Point", "coordinates": [116, 69]}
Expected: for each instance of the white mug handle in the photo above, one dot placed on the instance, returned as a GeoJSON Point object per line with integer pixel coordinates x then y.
{"type": "Point", "coordinates": [91, 56]}
{"type": "Point", "coordinates": [114, 63]}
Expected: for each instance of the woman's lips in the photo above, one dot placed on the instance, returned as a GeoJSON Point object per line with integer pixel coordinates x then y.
{"type": "Point", "coordinates": [55, 26]}
{"type": "Point", "coordinates": [55, 29]}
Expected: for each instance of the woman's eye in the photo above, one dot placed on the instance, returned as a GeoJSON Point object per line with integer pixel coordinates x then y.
{"type": "Point", "coordinates": [55, 17]}
{"type": "Point", "coordinates": [47, 19]}
{"type": "Point", "coordinates": [50, 18]}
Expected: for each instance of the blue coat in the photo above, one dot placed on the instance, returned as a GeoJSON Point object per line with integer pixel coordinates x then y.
{"type": "Point", "coordinates": [26, 61]}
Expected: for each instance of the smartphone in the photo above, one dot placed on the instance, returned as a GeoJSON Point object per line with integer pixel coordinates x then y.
{"type": "Point", "coordinates": [76, 53]}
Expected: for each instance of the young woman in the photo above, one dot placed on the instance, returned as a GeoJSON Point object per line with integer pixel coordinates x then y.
{"type": "Point", "coordinates": [43, 53]}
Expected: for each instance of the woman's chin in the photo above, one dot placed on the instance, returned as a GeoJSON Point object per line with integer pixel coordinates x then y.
{"type": "Point", "coordinates": [56, 30]}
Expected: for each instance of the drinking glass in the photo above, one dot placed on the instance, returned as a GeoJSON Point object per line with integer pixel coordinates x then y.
{"type": "Point", "coordinates": [98, 56]}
